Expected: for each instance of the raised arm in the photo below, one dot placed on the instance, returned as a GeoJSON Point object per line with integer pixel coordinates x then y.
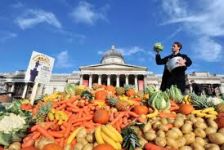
{"type": "Point", "coordinates": [161, 61]}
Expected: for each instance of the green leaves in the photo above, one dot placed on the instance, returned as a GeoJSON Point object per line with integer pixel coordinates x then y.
{"type": "Point", "coordinates": [131, 140]}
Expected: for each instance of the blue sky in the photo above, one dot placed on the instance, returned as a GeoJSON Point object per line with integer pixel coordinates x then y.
{"type": "Point", "coordinates": [77, 33]}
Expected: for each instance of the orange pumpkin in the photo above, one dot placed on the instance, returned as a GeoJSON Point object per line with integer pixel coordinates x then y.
{"type": "Point", "coordinates": [52, 146]}
{"type": "Point", "coordinates": [101, 95]}
{"type": "Point", "coordinates": [141, 110]}
{"type": "Point", "coordinates": [186, 109]}
{"type": "Point", "coordinates": [101, 116]}
{"type": "Point", "coordinates": [103, 147]}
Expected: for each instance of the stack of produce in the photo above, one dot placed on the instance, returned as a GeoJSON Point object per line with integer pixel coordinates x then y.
{"type": "Point", "coordinates": [105, 117]}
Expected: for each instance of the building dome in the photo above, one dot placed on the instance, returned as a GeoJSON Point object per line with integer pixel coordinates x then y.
{"type": "Point", "coordinates": [112, 56]}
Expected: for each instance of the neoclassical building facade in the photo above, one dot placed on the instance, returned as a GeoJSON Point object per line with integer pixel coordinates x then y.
{"type": "Point", "coordinates": [112, 70]}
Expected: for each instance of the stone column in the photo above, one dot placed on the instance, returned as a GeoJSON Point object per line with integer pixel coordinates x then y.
{"type": "Point", "coordinates": [118, 80]}
{"type": "Point", "coordinates": [108, 79]}
{"type": "Point", "coordinates": [90, 80]}
{"type": "Point", "coordinates": [24, 90]}
{"type": "Point", "coordinates": [81, 79]}
{"type": "Point", "coordinates": [126, 79]}
{"type": "Point", "coordinates": [13, 87]}
{"type": "Point", "coordinates": [144, 79]}
{"type": "Point", "coordinates": [221, 88]}
{"type": "Point", "coordinates": [136, 82]}
{"type": "Point", "coordinates": [100, 79]}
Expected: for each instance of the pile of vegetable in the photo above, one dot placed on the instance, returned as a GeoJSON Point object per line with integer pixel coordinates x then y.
{"type": "Point", "coordinates": [105, 117]}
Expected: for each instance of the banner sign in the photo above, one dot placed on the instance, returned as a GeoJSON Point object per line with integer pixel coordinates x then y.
{"type": "Point", "coordinates": [39, 68]}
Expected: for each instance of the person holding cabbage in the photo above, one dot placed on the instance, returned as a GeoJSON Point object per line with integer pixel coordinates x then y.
{"type": "Point", "coordinates": [175, 66]}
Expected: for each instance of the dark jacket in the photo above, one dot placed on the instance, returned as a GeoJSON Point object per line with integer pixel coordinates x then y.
{"type": "Point", "coordinates": [176, 76]}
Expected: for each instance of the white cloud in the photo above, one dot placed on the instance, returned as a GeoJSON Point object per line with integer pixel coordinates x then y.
{"type": "Point", "coordinates": [62, 60]}
{"type": "Point", "coordinates": [130, 51]}
{"type": "Point", "coordinates": [207, 49]}
{"type": "Point", "coordinates": [17, 5]}
{"type": "Point", "coordinates": [4, 36]}
{"type": "Point", "coordinates": [85, 13]}
{"type": "Point", "coordinates": [34, 17]}
{"type": "Point", "coordinates": [204, 25]}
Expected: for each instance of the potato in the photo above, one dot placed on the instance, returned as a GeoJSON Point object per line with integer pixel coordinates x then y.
{"type": "Point", "coordinates": [89, 138]}
{"type": "Point", "coordinates": [178, 131]}
{"type": "Point", "coordinates": [172, 134]}
{"type": "Point", "coordinates": [170, 120]}
{"type": "Point", "coordinates": [210, 130]}
{"type": "Point", "coordinates": [164, 121]}
{"type": "Point", "coordinates": [200, 133]}
{"type": "Point", "coordinates": [185, 148]}
{"type": "Point", "coordinates": [80, 139]}
{"type": "Point", "coordinates": [221, 130]}
{"type": "Point", "coordinates": [160, 141]}
{"type": "Point", "coordinates": [212, 123]}
{"type": "Point", "coordinates": [15, 146]}
{"type": "Point", "coordinates": [181, 141]}
{"type": "Point", "coordinates": [78, 146]}
{"type": "Point", "coordinates": [147, 127]}
{"type": "Point", "coordinates": [201, 125]}
{"type": "Point", "coordinates": [216, 138]}
{"type": "Point", "coordinates": [161, 133]}
{"type": "Point", "coordinates": [200, 141]}
{"type": "Point", "coordinates": [186, 128]}
{"type": "Point", "coordinates": [82, 133]}
{"type": "Point", "coordinates": [196, 146]}
{"type": "Point", "coordinates": [142, 142]}
{"type": "Point", "coordinates": [199, 119]}
{"type": "Point", "coordinates": [88, 147]}
{"type": "Point", "coordinates": [189, 137]}
{"type": "Point", "coordinates": [178, 123]}
{"type": "Point", "coordinates": [156, 125]}
{"type": "Point", "coordinates": [212, 147]}
{"type": "Point", "coordinates": [84, 141]}
{"type": "Point", "coordinates": [172, 143]}
{"type": "Point", "coordinates": [150, 136]}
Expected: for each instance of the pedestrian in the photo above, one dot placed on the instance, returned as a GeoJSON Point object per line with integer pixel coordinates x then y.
{"type": "Point", "coordinates": [177, 75]}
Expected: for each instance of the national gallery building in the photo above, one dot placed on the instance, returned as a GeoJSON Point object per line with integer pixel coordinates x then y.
{"type": "Point", "coordinates": [112, 70]}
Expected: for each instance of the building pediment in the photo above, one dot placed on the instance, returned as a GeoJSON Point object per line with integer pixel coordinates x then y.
{"type": "Point", "coordinates": [124, 67]}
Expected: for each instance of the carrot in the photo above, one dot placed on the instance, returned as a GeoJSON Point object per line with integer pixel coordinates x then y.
{"type": "Point", "coordinates": [89, 117]}
{"type": "Point", "coordinates": [169, 126]}
{"type": "Point", "coordinates": [44, 132]}
{"type": "Point", "coordinates": [67, 129]}
{"type": "Point", "coordinates": [118, 117]}
{"type": "Point", "coordinates": [28, 143]}
{"type": "Point", "coordinates": [57, 134]}
{"type": "Point", "coordinates": [150, 146]}
{"type": "Point", "coordinates": [73, 143]}
{"type": "Point", "coordinates": [61, 107]}
{"type": "Point", "coordinates": [174, 106]}
{"type": "Point", "coordinates": [35, 135]}
{"type": "Point", "coordinates": [27, 138]}
{"type": "Point", "coordinates": [61, 142]}
{"type": "Point", "coordinates": [133, 114]}
{"type": "Point", "coordinates": [167, 115]}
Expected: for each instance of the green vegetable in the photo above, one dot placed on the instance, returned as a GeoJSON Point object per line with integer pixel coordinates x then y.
{"type": "Point", "coordinates": [158, 46]}
{"type": "Point", "coordinates": [175, 94]}
{"type": "Point", "coordinates": [159, 100]}
{"type": "Point", "coordinates": [5, 139]}
{"type": "Point", "coordinates": [70, 89]}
